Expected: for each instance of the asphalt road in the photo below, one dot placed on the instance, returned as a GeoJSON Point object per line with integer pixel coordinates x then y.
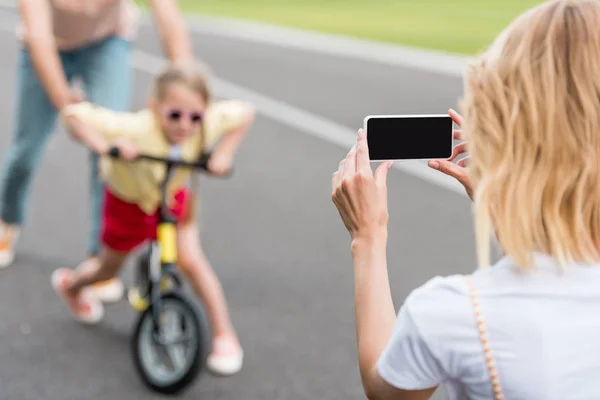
{"type": "Point", "coordinates": [271, 232]}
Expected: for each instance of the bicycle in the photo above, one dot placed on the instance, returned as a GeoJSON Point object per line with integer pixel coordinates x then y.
{"type": "Point", "coordinates": [159, 287]}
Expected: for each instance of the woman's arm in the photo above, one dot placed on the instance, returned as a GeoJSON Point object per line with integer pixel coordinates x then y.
{"type": "Point", "coordinates": [42, 49]}
{"type": "Point", "coordinates": [361, 199]}
{"type": "Point", "coordinates": [373, 305]}
{"type": "Point", "coordinates": [172, 30]}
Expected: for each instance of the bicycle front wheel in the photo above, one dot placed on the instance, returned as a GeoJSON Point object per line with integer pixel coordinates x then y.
{"type": "Point", "coordinates": [170, 357]}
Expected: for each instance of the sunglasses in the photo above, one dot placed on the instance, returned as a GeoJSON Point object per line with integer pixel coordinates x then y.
{"type": "Point", "coordinates": [176, 115]}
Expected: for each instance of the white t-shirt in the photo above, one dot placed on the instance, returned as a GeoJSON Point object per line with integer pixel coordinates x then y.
{"type": "Point", "coordinates": [544, 331]}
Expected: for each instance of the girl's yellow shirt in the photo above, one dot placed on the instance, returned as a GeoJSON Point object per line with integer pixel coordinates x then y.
{"type": "Point", "coordinates": [139, 181]}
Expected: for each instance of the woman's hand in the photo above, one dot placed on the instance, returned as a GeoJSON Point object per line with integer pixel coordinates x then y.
{"type": "Point", "coordinates": [458, 171]}
{"type": "Point", "coordinates": [361, 196]}
{"type": "Point", "coordinates": [361, 199]}
{"type": "Point", "coordinates": [76, 96]}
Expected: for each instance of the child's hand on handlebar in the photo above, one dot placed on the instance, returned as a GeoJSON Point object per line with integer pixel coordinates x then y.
{"type": "Point", "coordinates": [128, 151]}
{"type": "Point", "coordinates": [219, 164]}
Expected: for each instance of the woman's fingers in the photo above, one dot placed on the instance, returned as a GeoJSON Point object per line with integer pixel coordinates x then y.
{"type": "Point", "coordinates": [447, 168]}
{"type": "Point", "coordinates": [342, 168]}
{"type": "Point", "coordinates": [362, 153]}
{"type": "Point", "coordinates": [334, 181]}
{"type": "Point", "coordinates": [358, 194]}
{"type": "Point", "coordinates": [458, 150]}
{"type": "Point", "coordinates": [336, 178]}
{"type": "Point", "coordinates": [458, 120]}
{"type": "Point", "coordinates": [350, 164]}
{"type": "Point", "coordinates": [464, 162]}
{"type": "Point", "coordinates": [458, 135]}
{"type": "Point", "coordinates": [381, 175]}
{"type": "Point", "coordinates": [457, 172]}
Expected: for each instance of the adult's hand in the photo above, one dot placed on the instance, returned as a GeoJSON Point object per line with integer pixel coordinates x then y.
{"type": "Point", "coordinates": [361, 199]}
{"type": "Point", "coordinates": [76, 96]}
{"type": "Point", "coordinates": [458, 171]}
{"type": "Point", "coordinates": [361, 196]}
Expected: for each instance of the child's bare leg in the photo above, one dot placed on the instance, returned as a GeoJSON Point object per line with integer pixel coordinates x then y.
{"type": "Point", "coordinates": [226, 357]}
{"type": "Point", "coordinates": [204, 281]}
{"type": "Point", "coordinates": [69, 284]}
{"type": "Point", "coordinates": [109, 291]}
{"type": "Point", "coordinates": [97, 269]}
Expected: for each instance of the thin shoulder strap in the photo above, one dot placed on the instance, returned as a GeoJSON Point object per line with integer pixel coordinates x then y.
{"type": "Point", "coordinates": [485, 342]}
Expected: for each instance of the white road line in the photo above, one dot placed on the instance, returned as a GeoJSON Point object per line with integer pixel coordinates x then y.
{"type": "Point", "coordinates": [432, 61]}
{"type": "Point", "coordinates": [301, 120]}
{"type": "Point", "coordinates": [333, 45]}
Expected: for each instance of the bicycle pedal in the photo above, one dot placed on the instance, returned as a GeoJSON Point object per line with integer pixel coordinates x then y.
{"type": "Point", "coordinates": [136, 301]}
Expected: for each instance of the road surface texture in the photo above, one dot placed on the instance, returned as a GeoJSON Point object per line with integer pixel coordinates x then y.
{"type": "Point", "coordinates": [271, 232]}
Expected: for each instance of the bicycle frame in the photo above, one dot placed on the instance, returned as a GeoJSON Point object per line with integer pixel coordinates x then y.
{"type": "Point", "coordinates": [158, 269]}
{"type": "Point", "coordinates": [166, 234]}
{"type": "Point", "coordinates": [162, 260]}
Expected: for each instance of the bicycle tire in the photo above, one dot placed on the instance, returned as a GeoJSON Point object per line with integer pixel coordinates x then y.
{"type": "Point", "coordinates": [200, 350]}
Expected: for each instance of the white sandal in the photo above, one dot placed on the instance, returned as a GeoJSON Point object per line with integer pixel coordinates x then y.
{"type": "Point", "coordinates": [93, 309]}
{"type": "Point", "coordinates": [225, 359]}
{"type": "Point", "coordinates": [110, 291]}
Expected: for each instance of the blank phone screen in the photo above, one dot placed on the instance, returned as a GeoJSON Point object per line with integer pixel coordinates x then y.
{"type": "Point", "coordinates": [405, 138]}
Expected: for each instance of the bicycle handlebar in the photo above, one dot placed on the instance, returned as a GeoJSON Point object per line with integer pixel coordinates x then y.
{"type": "Point", "coordinates": [200, 164]}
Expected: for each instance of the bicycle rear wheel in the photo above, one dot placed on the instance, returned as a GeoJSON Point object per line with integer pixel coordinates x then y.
{"type": "Point", "coordinates": [171, 358]}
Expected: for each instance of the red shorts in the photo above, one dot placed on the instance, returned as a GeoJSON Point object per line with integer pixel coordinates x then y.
{"type": "Point", "coordinates": [125, 226]}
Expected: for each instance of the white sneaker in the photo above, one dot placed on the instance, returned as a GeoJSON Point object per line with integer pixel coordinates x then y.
{"type": "Point", "coordinates": [8, 241]}
{"type": "Point", "coordinates": [226, 358]}
{"type": "Point", "coordinates": [109, 291]}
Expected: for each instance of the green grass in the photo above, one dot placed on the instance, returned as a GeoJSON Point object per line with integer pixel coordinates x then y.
{"type": "Point", "coordinates": [459, 26]}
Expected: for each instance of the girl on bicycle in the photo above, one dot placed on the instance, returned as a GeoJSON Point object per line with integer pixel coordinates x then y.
{"type": "Point", "coordinates": [180, 121]}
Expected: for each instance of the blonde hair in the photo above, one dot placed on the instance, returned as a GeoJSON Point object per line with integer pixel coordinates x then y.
{"type": "Point", "coordinates": [532, 121]}
{"type": "Point", "coordinates": [191, 75]}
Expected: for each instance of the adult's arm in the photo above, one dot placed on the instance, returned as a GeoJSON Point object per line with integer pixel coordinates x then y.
{"type": "Point", "coordinates": [361, 199]}
{"type": "Point", "coordinates": [40, 42]}
{"type": "Point", "coordinates": [172, 30]}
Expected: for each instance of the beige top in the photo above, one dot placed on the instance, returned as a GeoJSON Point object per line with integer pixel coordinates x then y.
{"type": "Point", "coordinates": [77, 23]}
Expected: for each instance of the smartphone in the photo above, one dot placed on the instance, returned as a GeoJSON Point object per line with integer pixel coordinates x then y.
{"type": "Point", "coordinates": [409, 137]}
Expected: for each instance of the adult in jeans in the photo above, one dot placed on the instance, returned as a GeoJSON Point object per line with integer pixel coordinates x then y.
{"type": "Point", "coordinates": [63, 39]}
{"type": "Point", "coordinates": [526, 328]}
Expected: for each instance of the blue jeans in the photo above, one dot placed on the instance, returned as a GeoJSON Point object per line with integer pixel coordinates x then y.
{"type": "Point", "coordinates": [105, 70]}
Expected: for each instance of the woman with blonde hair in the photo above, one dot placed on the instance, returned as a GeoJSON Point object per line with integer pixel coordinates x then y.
{"type": "Point", "coordinates": [528, 328]}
